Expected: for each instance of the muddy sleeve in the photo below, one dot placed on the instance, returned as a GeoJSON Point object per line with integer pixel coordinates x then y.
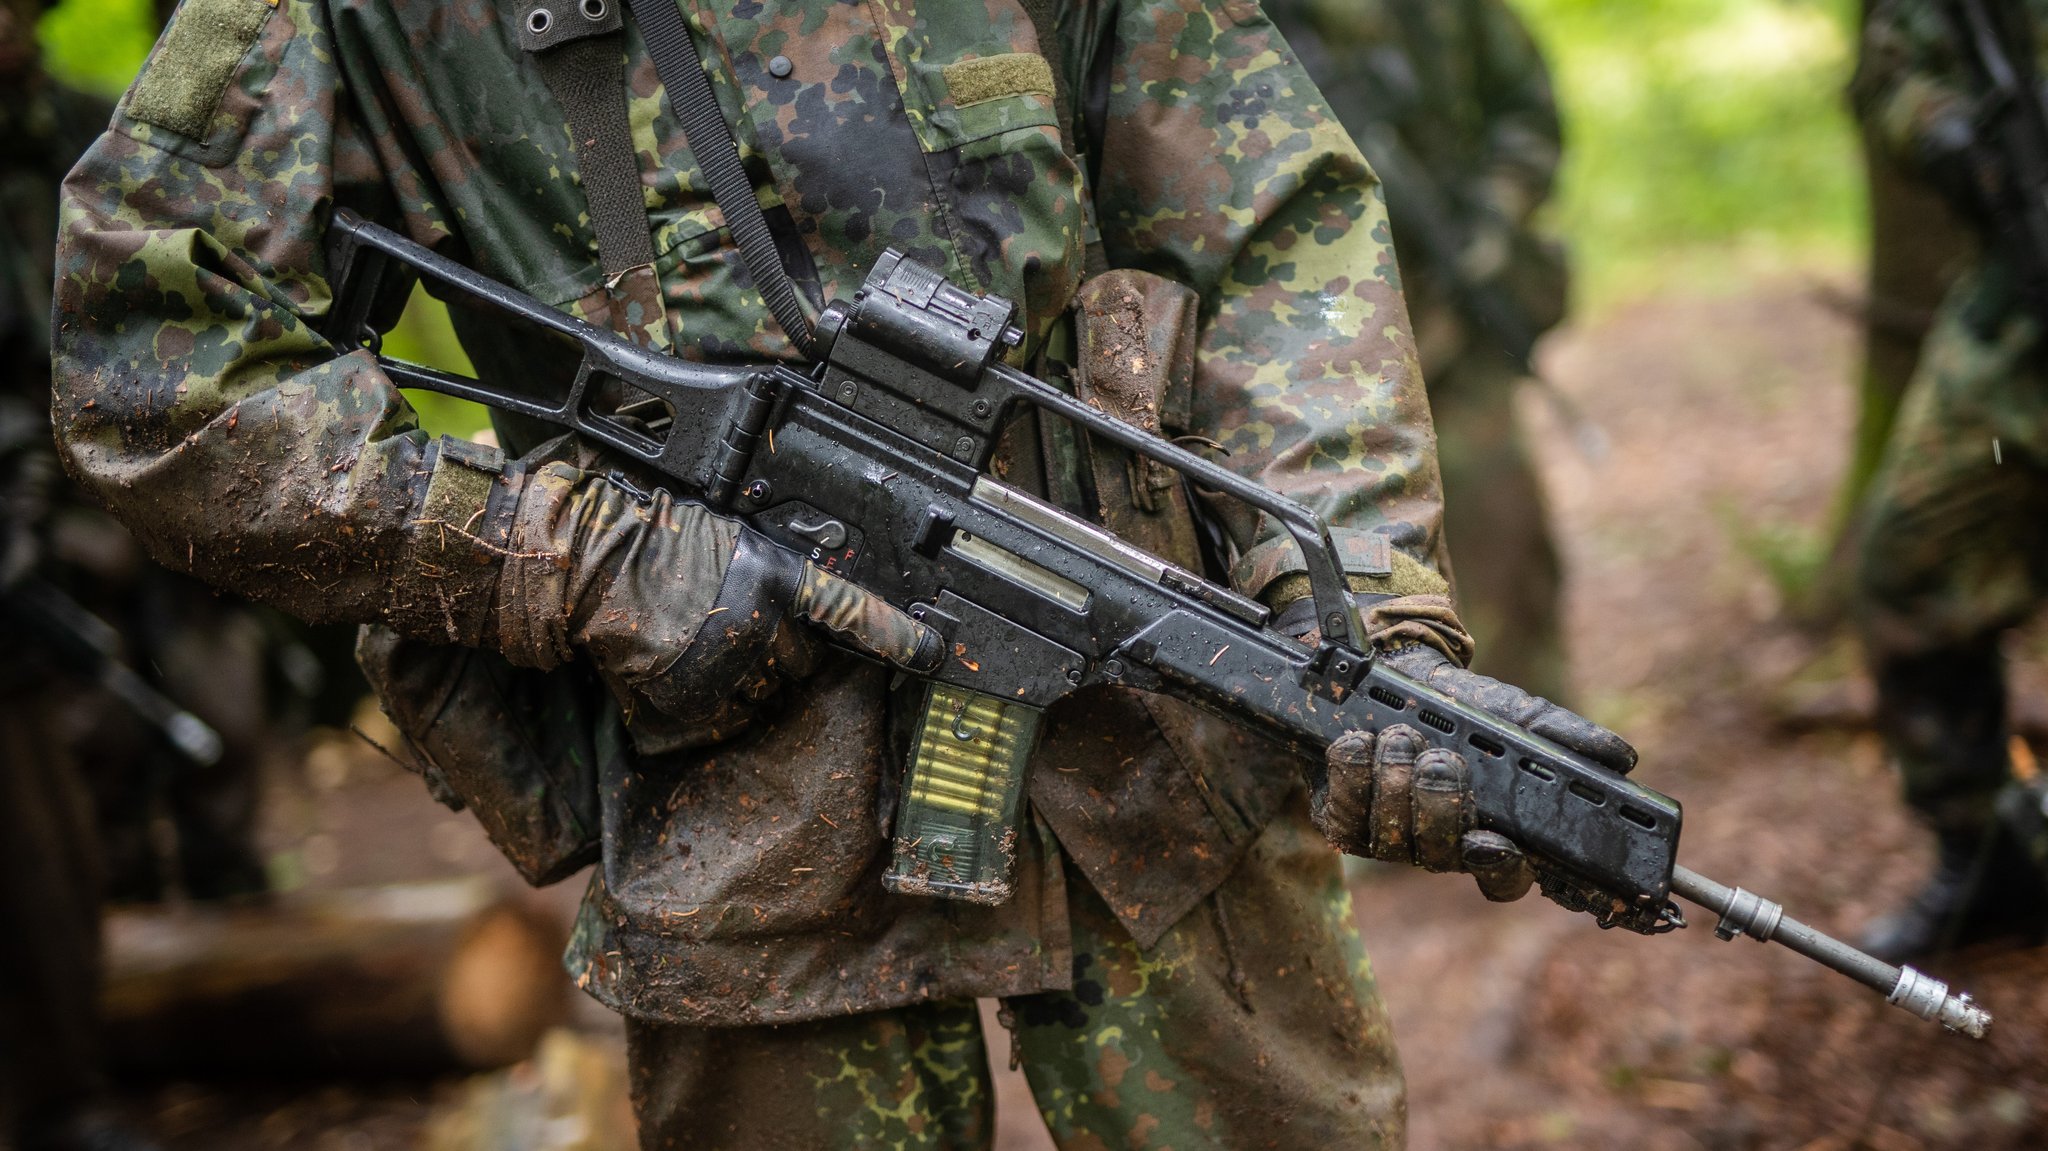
{"type": "Point", "coordinates": [1523, 136]}
{"type": "Point", "coordinates": [1224, 169]}
{"type": "Point", "coordinates": [193, 392]}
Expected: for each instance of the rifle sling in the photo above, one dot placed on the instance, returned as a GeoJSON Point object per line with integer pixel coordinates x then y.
{"type": "Point", "coordinates": [711, 141]}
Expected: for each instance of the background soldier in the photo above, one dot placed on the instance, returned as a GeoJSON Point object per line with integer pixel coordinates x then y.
{"type": "Point", "coordinates": [1955, 550]}
{"type": "Point", "coordinates": [1453, 107]}
{"type": "Point", "coordinates": [724, 769]}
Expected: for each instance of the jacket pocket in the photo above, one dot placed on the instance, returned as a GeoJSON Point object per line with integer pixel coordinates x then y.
{"type": "Point", "coordinates": [515, 746]}
{"type": "Point", "coordinates": [979, 95]}
{"type": "Point", "coordinates": [1136, 335]}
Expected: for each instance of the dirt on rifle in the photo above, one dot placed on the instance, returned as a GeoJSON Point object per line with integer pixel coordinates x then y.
{"type": "Point", "coordinates": [1521, 1027]}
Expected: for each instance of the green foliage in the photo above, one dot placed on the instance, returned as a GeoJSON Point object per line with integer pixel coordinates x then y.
{"type": "Point", "coordinates": [1793, 556]}
{"type": "Point", "coordinates": [1706, 139]}
{"type": "Point", "coordinates": [425, 336]}
{"type": "Point", "coordinates": [97, 45]}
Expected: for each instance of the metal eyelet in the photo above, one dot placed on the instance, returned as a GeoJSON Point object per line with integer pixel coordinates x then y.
{"type": "Point", "coordinates": [595, 10]}
{"type": "Point", "coordinates": [539, 21]}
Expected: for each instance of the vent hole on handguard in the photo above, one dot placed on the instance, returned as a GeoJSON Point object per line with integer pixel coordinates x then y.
{"type": "Point", "coordinates": [1389, 698]}
{"type": "Point", "coordinates": [1587, 792]}
{"type": "Point", "coordinates": [1486, 745]}
{"type": "Point", "coordinates": [1538, 770]}
{"type": "Point", "coordinates": [1436, 721]}
{"type": "Point", "coordinates": [1642, 819]}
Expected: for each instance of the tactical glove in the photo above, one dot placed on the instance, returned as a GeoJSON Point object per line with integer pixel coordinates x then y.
{"type": "Point", "coordinates": [1395, 798]}
{"type": "Point", "coordinates": [686, 610]}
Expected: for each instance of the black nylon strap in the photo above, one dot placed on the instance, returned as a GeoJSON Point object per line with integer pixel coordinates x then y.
{"type": "Point", "coordinates": [718, 156]}
{"type": "Point", "coordinates": [588, 77]}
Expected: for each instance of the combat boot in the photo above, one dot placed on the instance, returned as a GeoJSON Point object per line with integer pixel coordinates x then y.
{"type": "Point", "coordinates": [1983, 888]}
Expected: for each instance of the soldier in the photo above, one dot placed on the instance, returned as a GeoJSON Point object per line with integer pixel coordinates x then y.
{"type": "Point", "coordinates": [1954, 551]}
{"type": "Point", "coordinates": [1178, 960]}
{"type": "Point", "coordinates": [1453, 107]}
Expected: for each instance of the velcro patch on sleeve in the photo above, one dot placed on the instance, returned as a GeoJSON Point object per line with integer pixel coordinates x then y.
{"type": "Point", "coordinates": [459, 487]}
{"type": "Point", "coordinates": [183, 83]}
{"type": "Point", "coordinates": [994, 77]}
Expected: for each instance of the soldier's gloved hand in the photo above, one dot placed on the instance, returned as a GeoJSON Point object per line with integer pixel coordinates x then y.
{"type": "Point", "coordinates": [688, 610]}
{"type": "Point", "coordinates": [1421, 637]}
{"type": "Point", "coordinates": [1396, 799]}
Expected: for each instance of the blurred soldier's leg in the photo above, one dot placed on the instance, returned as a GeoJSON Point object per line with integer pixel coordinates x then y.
{"type": "Point", "coordinates": [1253, 1023]}
{"type": "Point", "coordinates": [1508, 576]}
{"type": "Point", "coordinates": [915, 1078]}
{"type": "Point", "coordinates": [1953, 555]}
{"type": "Point", "coordinates": [49, 932]}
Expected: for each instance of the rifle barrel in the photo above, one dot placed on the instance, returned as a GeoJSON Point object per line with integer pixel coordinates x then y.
{"type": "Point", "coordinates": [1746, 913]}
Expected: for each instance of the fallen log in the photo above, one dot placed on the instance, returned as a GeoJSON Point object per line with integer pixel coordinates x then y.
{"type": "Point", "coordinates": [404, 980]}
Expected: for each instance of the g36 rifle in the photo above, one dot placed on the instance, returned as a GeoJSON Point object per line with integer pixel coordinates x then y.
{"type": "Point", "coordinates": [872, 461]}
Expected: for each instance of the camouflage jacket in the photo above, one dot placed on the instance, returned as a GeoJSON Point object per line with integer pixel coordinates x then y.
{"type": "Point", "coordinates": [738, 883]}
{"type": "Point", "coordinates": [1464, 91]}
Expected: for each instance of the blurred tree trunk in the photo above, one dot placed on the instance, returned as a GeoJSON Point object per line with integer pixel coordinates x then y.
{"type": "Point", "coordinates": [410, 979]}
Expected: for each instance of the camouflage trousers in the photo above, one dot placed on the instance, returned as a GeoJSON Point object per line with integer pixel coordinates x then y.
{"type": "Point", "coordinates": [1508, 577]}
{"type": "Point", "coordinates": [1253, 1023]}
{"type": "Point", "coordinates": [1955, 549]}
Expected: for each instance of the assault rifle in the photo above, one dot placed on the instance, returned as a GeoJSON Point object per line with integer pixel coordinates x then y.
{"type": "Point", "coordinates": [872, 463]}
{"type": "Point", "coordinates": [2007, 155]}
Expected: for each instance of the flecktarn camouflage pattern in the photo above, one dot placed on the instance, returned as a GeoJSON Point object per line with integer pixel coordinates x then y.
{"type": "Point", "coordinates": [1462, 91]}
{"type": "Point", "coordinates": [1252, 1023]}
{"type": "Point", "coordinates": [739, 882]}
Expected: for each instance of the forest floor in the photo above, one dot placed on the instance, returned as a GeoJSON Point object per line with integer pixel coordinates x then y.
{"type": "Point", "coordinates": [1726, 421]}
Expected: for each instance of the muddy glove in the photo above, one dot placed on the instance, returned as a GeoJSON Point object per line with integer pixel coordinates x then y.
{"type": "Point", "coordinates": [1531, 713]}
{"type": "Point", "coordinates": [1396, 799]}
{"type": "Point", "coordinates": [687, 610]}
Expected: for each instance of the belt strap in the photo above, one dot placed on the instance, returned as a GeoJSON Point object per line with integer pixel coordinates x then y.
{"type": "Point", "coordinates": [689, 93]}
